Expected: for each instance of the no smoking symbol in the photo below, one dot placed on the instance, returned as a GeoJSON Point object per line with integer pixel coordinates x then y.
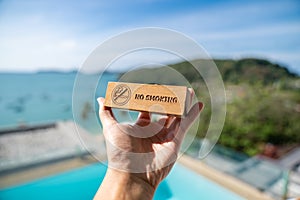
{"type": "Point", "coordinates": [121, 95]}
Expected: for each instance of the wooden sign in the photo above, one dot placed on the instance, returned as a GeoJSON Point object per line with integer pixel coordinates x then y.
{"type": "Point", "coordinates": [162, 99]}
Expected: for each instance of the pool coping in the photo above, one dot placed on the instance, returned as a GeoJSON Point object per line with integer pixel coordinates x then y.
{"type": "Point", "coordinates": [46, 169]}
{"type": "Point", "coordinates": [229, 182]}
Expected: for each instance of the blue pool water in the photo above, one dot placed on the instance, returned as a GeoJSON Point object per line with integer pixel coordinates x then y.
{"type": "Point", "coordinates": [83, 183]}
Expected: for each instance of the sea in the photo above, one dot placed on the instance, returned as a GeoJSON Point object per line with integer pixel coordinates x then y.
{"type": "Point", "coordinates": [40, 98]}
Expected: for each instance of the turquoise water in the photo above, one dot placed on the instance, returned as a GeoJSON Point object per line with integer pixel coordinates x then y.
{"type": "Point", "coordinates": [83, 183]}
{"type": "Point", "coordinates": [44, 97]}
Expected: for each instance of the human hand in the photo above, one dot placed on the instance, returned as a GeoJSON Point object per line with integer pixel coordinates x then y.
{"type": "Point", "coordinates": [145, 151]}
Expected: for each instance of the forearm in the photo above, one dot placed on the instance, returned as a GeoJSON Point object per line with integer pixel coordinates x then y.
{"type": "Point", "coordinates": [122, 186]}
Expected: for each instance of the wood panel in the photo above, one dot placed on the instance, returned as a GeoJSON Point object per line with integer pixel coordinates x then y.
{"type": "Point", "coordinates": [162, 99]}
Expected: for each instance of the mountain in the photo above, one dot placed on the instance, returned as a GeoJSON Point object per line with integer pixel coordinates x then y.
{"type": "Point", "coordinates": [263, 100]}
{"type": "Point", "coordinates": [250, 70]}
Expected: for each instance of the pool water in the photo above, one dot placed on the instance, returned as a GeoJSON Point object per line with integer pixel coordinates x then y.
{"type": "Point", "coordinates": [83, 183]}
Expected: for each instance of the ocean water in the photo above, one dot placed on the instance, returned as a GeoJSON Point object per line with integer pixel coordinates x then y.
{"type": "Point", "coordinates": [27, 99]}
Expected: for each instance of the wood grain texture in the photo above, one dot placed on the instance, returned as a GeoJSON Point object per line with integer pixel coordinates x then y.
{"type": "Point", "coordinates": [162, 99]}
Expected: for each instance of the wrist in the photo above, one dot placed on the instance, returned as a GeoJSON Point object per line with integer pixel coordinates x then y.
{"type": "Point", "coordinates": [124, 185]}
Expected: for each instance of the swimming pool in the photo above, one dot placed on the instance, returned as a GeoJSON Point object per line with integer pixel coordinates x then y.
{"type": "Point", "coordinates": [83, 183]}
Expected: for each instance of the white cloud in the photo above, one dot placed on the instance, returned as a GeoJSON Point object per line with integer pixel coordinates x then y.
{"type": "Point", "coordinates": [38, 40]}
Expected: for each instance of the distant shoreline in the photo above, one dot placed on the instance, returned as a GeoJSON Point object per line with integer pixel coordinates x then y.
{"type": "Point", "coordinates": [216, 60]}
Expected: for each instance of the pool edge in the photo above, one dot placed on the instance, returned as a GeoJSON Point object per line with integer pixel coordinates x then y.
{"type": "Point", "coordinates": [231, 183]}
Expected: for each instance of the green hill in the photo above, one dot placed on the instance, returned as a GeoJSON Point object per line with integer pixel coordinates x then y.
{"type": "Point", "coordinates": [248, 70]}
{"type": "Point", "coordinates": [263, 100]}
{"type": "Point", "coordinates": [252, 71]}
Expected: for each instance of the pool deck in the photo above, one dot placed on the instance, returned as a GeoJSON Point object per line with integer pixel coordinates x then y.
{"type": "Point", "coordinates": [33, 173]}
{"type": "Point", "coordinates": [33, 152]}
{"type": "Point", "coordinates": [61, 137]}
{"type": "Point", "coordinates": [231, 183]}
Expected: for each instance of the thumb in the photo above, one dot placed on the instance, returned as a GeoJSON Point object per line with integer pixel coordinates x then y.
{"type": "Point", "coordinates": [105, 113]}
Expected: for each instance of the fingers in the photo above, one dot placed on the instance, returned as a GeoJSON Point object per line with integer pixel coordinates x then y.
{"type": "Point", "coordinates": [186, 122]}
{"type": "Point", "coordinates": [169, 127]}
{"type": "Point", "coordinates": [105, 113]}
{"type": "Point", "coordinates": [175, 125]}
{"type": "Point", "coordinates": [144, 119]}
{"type": "Point", "coordinates": [170, 120]}
{"type": "Point", "coordinates": [192, 115]}
{"type": "Point", "coordinates": [181, 126]}
{"type": "Point", "coordinates": [192, 94]}
{"type": "Point", "coordinates": [160, 137]}
{"type": "Point", "coordinates": [174, 128]}
{"type": "Point", "coordinates": [166, 121]}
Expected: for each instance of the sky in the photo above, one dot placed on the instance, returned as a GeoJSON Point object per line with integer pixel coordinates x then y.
{"type": "Point", "coordinates": [60, 35]}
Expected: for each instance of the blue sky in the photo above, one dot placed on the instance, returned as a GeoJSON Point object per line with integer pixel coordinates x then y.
{"type": "Point", "coordinates": [40, 35]}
